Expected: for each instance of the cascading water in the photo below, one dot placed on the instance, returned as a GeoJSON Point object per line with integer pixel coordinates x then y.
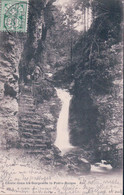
{"type": "Point", "coordinates": [62, 138]}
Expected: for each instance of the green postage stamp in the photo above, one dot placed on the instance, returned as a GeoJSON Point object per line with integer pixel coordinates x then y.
{"type": "Point", "coordinates": [13, 15]}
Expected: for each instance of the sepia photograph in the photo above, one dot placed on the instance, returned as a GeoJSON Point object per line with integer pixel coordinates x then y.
{"type": "Point", "coordinates": [61, 97]}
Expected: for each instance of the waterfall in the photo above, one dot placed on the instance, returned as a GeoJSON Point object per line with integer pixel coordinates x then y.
{"type": "Point", "coordinates": [62, 138]}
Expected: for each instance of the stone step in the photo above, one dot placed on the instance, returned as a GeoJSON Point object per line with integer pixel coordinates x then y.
{"type": "Point", "coordinates": [26, 104]}
{"type": "Point", "coordinates": [44, 146]}
{"type": "Point", "coordinates": [26, 95]}
{"type": "Point", "coordinates": [26, 99]}
{"type": "Point", "coordinates": [35, 151]}
{"type": "Point", "coordinates": [25, 140]}
{"type": "Point", "coordinates": [30, 125]}
{"type": "Point", "coordinates": [36, 146]}
{"type": "Point", "coordinates": [38, 141]}
{"type": "Point", "coordinates": [28, 134]}
{"type": "Point", "coordinates": [31, 122]}
{"type": "Point", "coordinates": [34, 131]}
{"type": "Point", "coordinates": [32, 140]}
{"type": "Point", "coordinates": [26, 112]}
{"type": "Point", "coordinates": [26, 89]}
{"type": "Point", "coordinates": [30, 116]}
{"type": "Point", "coordinates": [24, 109]}
{"type": "Point", "coordinates": [38, 137]}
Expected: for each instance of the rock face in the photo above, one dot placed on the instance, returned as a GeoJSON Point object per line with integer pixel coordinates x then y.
{"type": "Point", "coordinates": [110, 107]}
{"type": "Point", "coordinates": [11, 47]}
{"type": "Point", "coordinates": [96, 119]}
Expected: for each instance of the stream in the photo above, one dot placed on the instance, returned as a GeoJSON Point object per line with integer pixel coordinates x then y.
{"type": "Point", "coordinates": [63, 137]}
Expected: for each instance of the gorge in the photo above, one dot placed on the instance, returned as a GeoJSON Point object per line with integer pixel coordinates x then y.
{"type": "Point", "coordinates": [42, 118]}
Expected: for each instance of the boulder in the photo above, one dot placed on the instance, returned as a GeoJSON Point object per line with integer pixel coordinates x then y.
{"type": "Point", "coordinates": [76, 164]}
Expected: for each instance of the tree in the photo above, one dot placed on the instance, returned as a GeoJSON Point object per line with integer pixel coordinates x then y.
{"type": "Point", "coordinates": [59, 44]}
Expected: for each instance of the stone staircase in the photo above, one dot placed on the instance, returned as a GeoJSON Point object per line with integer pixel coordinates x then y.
{"type": "Point", "coordinates": [33, 136]}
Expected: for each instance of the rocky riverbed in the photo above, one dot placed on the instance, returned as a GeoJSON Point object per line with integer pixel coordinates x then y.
{"type": "Point", "coordinates": [25, 174]}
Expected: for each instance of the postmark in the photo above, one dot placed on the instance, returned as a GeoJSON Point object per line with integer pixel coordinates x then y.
{"type": "Point", "coordinates": [14, 15]}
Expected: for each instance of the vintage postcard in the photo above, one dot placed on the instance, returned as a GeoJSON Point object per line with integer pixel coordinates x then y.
{"type": "Point", "coordinates": [61, 92]}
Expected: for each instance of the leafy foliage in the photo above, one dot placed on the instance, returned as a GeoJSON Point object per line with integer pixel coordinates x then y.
{"type": "Point", "coordinates": [93, 50]}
